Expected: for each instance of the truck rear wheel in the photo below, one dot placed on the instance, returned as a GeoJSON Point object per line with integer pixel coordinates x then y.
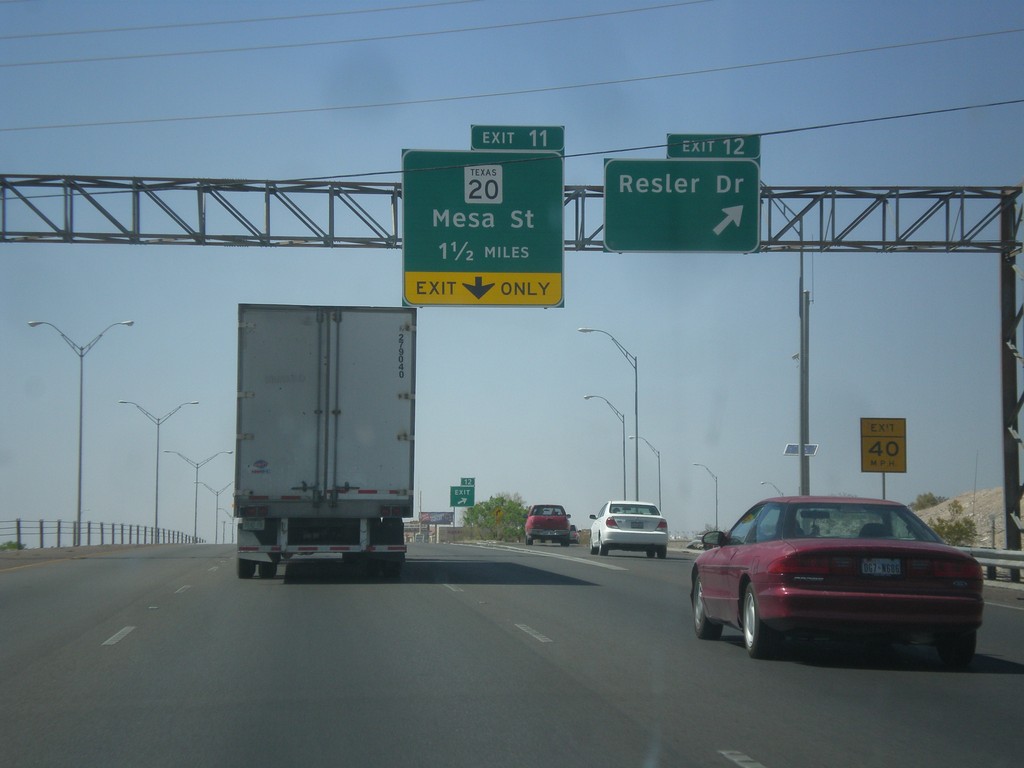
{"type": "Point", "coordinates": [246, 568]}
{"type": "Point", "coordinates": [267, 570]}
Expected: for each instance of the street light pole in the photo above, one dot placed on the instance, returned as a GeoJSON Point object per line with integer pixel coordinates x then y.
{"type": "Point", "coordinates": [224, 537]}
{"type": "Point", "coordinates": [81, 350]}
{"type": "Point", "coordinates": [631, 359]}
{"type": "Point", "coordinates": [622, 418]}
{"type": "Point", "coordinates": [715, 477]}
{"type": "Point", "coordinates": [197, 465]}
{"type": "Point", "coordinates": [216, 506]}
{"type": "Point", "coordinates": [658, 454]}
{"type": "Point", "coordinates": [158, 422]}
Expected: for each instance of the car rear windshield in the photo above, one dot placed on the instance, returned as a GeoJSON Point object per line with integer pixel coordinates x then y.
{"type": "Point", "coordinates": [634, 509]}
{"type": "Point", "coordinates": [548, 511]}
{"type": "Point", "coordinates": [854, 521]}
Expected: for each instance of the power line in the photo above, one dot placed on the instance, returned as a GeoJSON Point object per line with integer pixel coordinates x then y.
{"type": "Point", "coordinates": [257, 20]}
{"type": "Point", "coordinates": [518, 92]}
{"type": "Point", "coordinates": [347, 41]}
{"type": "Point", "coordinates": [662, 145]}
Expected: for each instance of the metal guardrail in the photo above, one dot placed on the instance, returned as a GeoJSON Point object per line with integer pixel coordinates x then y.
{"type": "Point", "coordinates": [991, 559]}
{"type": "Point", "coordinates": [29, 534]}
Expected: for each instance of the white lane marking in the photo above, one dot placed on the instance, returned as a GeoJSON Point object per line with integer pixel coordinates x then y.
{"type": "Point", "coordinates": [117, 636]}
{"type": "Point", "coordinates": [534, 633]}
{"type": "Point", "coordinates": [1001, 605]}
{"type": "Point", "coordinates": [546, 554]}
{"type": "Point", "coordinates": [740, 759]}
{"type": "Point", "coordinates": [216, 567]}
{"type": "Point", "coordinates": [182, 589]}
{"type": "Point", "coordinates": [454, 588]}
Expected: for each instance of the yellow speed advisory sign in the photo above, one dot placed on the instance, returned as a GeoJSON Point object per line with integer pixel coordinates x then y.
{"type": "Point", "coordinates": [883, 445]}
{"type": "Point", "coordinates": [485, 288]}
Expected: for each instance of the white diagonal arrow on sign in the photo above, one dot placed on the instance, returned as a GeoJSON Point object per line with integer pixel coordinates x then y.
{"type": "Point", "coordinates": [732, 216]}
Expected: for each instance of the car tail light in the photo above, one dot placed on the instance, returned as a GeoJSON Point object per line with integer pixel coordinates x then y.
{"type": "Point", "coordinates": [612, 523]}
{"type": "Point", "coordinates": [800, 565]}
{"type": "Point", "coordinates": [814, 565]}
{"type": "Point", "coordinates": [663, 525]}
{"type": "Point", "coordinates": [945, 569]}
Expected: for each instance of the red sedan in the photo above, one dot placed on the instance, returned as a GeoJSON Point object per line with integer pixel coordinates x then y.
{"type": "Point", "coordinates": [838, 566]}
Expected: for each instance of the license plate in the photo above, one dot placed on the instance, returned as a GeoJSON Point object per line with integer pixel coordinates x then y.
{"type": "Point", "coordinates": [637, 524]}
{"type": "Point", "coordinates": [253, 525]}
{"type": "Point", "coordinates": [881, 566]}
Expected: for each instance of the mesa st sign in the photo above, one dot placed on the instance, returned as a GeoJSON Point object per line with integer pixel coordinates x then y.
{"type": "Point", "coordinates": [482, 228]}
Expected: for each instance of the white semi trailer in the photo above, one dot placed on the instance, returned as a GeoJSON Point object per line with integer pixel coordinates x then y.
{"type": "Point", "coordinates": [325, 428]}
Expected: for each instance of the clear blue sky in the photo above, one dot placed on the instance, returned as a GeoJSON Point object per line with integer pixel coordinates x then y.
{"type": "Point", "coordinates": [500, 391]}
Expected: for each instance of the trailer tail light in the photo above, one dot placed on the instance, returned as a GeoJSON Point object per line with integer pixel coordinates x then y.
{"type": "Point", "coordinates": [260, 511]}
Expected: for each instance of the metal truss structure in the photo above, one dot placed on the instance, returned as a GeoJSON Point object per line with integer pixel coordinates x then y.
{"type": "Point", "coordinates": [344, 214]}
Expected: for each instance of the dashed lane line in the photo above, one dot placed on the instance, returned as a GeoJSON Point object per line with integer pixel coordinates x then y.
{"type": "Point", "coordinates": [118, 636]}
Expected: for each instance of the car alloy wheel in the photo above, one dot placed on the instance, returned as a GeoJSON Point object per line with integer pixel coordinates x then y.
{"type": "Point", "coordinates": [704, 628]}
{"type": "Point", "coordinates": [758, 638]}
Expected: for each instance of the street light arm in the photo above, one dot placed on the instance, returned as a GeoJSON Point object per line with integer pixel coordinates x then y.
{"type": "Point", "coordinates": [641, 437]}
{"type": "Point", "coordinates": [622, 416]}
{"type": "Point", "coordinates": [208, 459]}
{"type": "Point", "coordinates": [198, 464]}
{"type": "Point", "coordinates": [214, 491]}
{"type": "Point", "coordinates": [625, 352]}
{"type": "Point", "coordinates": [99, 335]}
{"type": "Point", "coordinates": [79, 350]}
{"type": "Point", "coordinates": [146, 413]}
{"type": "Point", "coordinates": [713, 475]}
{"type": "Point", "coordinates": [186, 458]}
{"type": "Point", "coordinates": [166, 416]}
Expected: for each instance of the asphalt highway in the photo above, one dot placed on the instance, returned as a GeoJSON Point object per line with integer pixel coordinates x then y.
{"type": "Point", "coordinates": [479, 655]}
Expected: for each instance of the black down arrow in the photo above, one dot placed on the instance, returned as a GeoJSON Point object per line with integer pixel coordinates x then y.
{"type": "Point", "coordinates": [478, 288]}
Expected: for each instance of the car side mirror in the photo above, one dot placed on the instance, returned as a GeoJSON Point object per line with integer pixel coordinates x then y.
{"type": "Point", "coordinates": [713, 539]}
{"type": "Point", "coordinates": [593, 517]}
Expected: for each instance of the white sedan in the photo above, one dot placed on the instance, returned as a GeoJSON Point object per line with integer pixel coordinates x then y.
{"type": "Point", "coordinates": [630, 525]}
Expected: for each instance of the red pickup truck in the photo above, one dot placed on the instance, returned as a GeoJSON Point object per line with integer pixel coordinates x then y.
{"type": "Point", "coordinates": [547, 522]}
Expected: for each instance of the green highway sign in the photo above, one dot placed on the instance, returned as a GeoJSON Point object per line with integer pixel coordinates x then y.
{"type": "Point", "coordinates": [468, 481]}
{"type": "Point", "coordinates": [721, 146]}
{"type": "Point", "coordinates": [522, 137]}
{"type": "Point", "coordinates": [702, 206]}
{"type": "Point", "coordinates": [463, 495]}
{"type": "Point", "coordinates": [482, 228]}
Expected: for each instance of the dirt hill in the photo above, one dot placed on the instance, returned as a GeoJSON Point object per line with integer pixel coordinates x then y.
{"type": "Point", "coordinates": [984, 507]}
